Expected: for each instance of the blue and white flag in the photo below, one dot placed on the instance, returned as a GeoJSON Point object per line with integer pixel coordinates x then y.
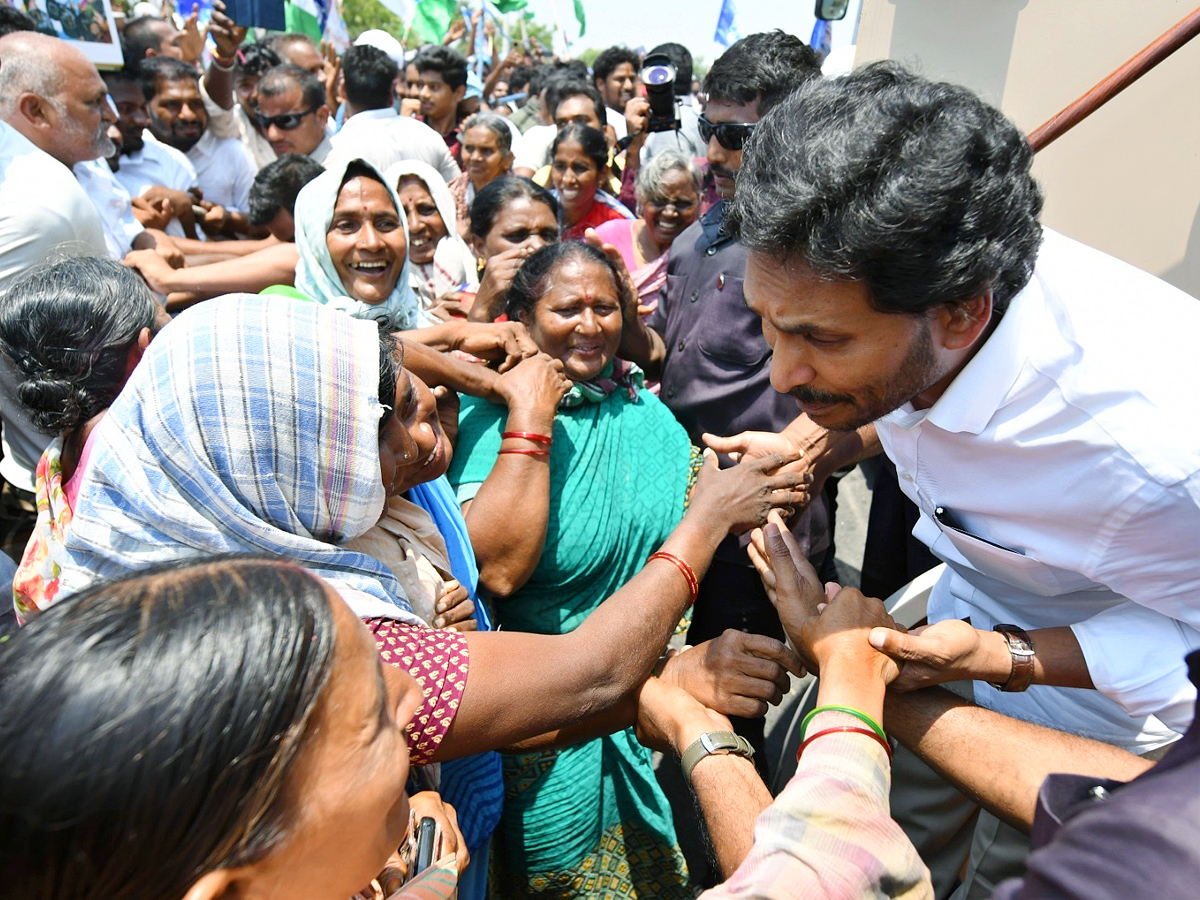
{"type": "Point", "coordinates": [727, 30]}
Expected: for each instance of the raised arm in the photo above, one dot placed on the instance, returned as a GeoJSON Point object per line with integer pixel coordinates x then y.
{"type": "Point", "coordinates": [521, 685]}
{"type": "Point", "coordinates": [518, 487]}
{"type": "Point", "coordinates": [218, 80]}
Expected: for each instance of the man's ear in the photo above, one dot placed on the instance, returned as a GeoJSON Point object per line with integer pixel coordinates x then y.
{"type": "Point", "coordinates": [36, 110]}
{"type": "Point", "coordinates": [963, 323]}
{"type": "Point", "coordinates": [611, 136]}
{"type": "Point", "coordinates": [459, 93]}
{"type": "Point", "coordinates": [323, 115]}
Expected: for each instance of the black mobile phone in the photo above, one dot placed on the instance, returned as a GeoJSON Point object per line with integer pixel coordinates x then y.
{"type": "Point", "coordinates": [426, 839]}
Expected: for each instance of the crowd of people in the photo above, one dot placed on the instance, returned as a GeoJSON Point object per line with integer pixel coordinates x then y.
{"type": "Point", "coordinates": [397, 438]}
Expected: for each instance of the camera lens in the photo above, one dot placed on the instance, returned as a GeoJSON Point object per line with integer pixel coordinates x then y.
{"type": "Point", "coordinates": [657, 75]}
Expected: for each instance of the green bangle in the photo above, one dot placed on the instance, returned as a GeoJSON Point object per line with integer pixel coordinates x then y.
{"type": "Point", "coordinates": [850, 711]}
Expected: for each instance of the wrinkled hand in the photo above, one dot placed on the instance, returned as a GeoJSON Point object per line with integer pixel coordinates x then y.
{"type": "Point", "coordinates": [227, 35]}
{"type": "Point", "coordinates": [791, 582]}
{"type": "Point", "coordinates": [506, 343]}
{"type": "Point", "coordinates": [736, 674]}
{"type": "Point", "coordinates": [669, 718]}
{"type": "Point", "coordinates": [497, 278]}
{"type": "Point", "coordinates": [950, 650]}
{"type": "Point", "coordinates": [431, 804]}
{"type": "Point", "coordinates": [536, 383]}
{"type": "Point", "coordinates": [637, 115]}
{"type": "Point", "coordinates": [739, 498]}
{"type": "Point", "coordinates": [191, 44]}
{"type": "Point", "coordinates": [152, 267]}
{"type": "Point", "coordinates": [150, 213]}
{"type": "Point", "coordinates": [757, 444]}
{"type": "Point", "coordinates": [455, 611]}
{"type": "Point", "coordinates": [840, 630]}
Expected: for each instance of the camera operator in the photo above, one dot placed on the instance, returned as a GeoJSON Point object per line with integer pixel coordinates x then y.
{"type": "Point", "coordinates": [645, 141]}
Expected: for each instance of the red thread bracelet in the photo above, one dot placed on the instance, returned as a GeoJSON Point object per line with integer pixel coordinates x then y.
{"type": "Point", "coordinates": [527, 436]}
{"type": "Point", "coordinates": [850, 729]}
{"type": "Point", "coordinates": [526, 452]}
{"type": "Point", "coordinates": [688, 573]}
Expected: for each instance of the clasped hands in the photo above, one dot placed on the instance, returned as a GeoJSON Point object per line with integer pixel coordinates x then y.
{"type": "Point", "coordinates": [834, 624]}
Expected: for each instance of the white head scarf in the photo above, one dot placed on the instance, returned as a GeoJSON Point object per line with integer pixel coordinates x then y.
{"type": "Point", "coordinates": [453, 262]}
{"type": "Point", "coordinates": [316, 275]}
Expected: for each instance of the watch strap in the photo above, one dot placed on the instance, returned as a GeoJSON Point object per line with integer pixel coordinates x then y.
{"type": "Point", "coordinates": [1020, 647]}
{"type": "Point", "coordinates": [713, 742]}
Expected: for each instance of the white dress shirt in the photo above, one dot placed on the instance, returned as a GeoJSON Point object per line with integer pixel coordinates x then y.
{"type": "Point", "coordinates": [224, 170]}
{"type": "Point", "coordinates": [113, 204]}
{"type": "Point", "coordinates": [1066, 460]}
{"type": "Point", "coordinates": [162, 166]}
{"type": "Point", "coordinates": [383, 137]}
{"type": "Point", "coordinates": [44, 213]}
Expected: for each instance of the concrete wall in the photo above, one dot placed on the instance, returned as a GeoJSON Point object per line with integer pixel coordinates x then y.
{"type": "Point", "coordinates": [1125, 180]}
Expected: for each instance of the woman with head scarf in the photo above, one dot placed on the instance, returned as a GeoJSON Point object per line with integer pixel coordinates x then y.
{"type": "Point", "coordinates": [442, 264]}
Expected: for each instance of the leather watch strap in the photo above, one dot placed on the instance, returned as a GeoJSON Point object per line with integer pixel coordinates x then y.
{"type": "Point", "coordinates": [713, 742]}
{"type": "Point", "coordinates": [1020, 646]}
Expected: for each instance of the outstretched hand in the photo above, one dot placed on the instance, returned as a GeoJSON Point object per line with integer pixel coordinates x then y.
{"type": "Point", "coordinates": [950, 650]}
{"type": "Point", "coordinates": [736, 674]}
{"type": "Point", "coordinates": [740, 497]}
{"type": "Point", "coordinates": [788, 577]}
{"type": "Point", "coordinates": [669, 717]}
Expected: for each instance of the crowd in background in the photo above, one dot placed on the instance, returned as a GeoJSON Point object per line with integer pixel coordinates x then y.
{"type": "Point", "coordinates": [398, 436]}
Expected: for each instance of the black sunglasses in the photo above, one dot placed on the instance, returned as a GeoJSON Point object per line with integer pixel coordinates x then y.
{"type": "Point", "coordinates": [287, 121]}
{"type": "Point", "coordinates": [730, 135]}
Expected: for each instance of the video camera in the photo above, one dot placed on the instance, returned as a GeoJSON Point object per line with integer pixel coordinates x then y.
{"type": "Point", "coordinates": [658, 75]}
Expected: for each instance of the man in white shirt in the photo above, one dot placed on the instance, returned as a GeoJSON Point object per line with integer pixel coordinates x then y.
{"type": "Point", "coordinates": [160, 175]}
{"type": "Point", "coordinates": [1036, 396]}
{"type": "Point", "coordinates": [179, 119]}
{"type": "Point", "coordinates": [374, 131]}
{"type": "Point", "coordinates": [53, 114]}
{"type": "Point", "coordinates": [615, 74]}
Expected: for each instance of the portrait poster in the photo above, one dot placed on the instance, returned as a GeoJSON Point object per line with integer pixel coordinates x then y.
{"type": "Point", "coordinates": [88, 24]}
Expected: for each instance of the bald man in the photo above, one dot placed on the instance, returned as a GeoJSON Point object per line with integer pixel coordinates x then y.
{"type": "Point", "coordinates": [53, 114]}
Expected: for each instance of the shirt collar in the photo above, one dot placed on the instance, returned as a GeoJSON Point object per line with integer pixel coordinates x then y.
{"type": "Point", "coordinates": [322, 150]}
{"type": "Point", "coordinates": [712, 222]}
{"type": "Point", "coordinates": [370, 115]}
{"type": "Point", "coordinates": [973, 397]}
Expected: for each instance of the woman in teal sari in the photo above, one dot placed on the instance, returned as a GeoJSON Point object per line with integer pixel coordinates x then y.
{"type": "Point", "coordinates": [565, 496]}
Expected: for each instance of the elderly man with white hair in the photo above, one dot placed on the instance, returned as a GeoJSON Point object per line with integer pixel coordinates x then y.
{"type": "Point", "coordinates": [54, 113]}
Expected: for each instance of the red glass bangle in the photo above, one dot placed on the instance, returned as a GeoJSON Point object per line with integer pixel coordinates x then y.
{"type": "Point", "coordinates": [688, 573]}
{"type": "Point", "coordinates": [850, 729]}
{"type": "Point", "coordinates": [527, 436]}
{"type": "Point", "coordinates": [524, 452]}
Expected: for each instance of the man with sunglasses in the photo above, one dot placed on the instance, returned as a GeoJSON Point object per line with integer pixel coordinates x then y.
{"type": "Point", "coordinates": [708, 349]}
{"type": "Point", "coordinates": [292, 112]}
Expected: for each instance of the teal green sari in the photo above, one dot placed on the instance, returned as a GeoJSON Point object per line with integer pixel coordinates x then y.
{"type": "Point", "coordinates": [590, 819]}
